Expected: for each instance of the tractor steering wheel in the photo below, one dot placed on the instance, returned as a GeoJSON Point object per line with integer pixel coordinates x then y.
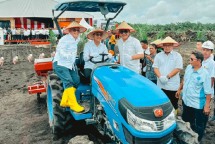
{"type": "Point", "coordinates": [102, 60]}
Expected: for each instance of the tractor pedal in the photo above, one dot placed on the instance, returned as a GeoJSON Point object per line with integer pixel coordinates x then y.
{"type": "Point", "coordinates": [90, 121]}
{"type": "Point", "coordinates": [86, 105]}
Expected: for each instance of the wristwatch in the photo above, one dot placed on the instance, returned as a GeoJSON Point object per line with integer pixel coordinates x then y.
{"type": "Point", "coordinates": [168, 77]}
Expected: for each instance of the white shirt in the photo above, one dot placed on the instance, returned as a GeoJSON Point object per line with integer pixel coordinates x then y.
{"type": "Point", "coordinates": [33, 32]}
{"type": "Point", "coordinates": [56, 32]}
{"type": "Point", "coordinates": [209, 65]}
{"type": "Point", "coordinates": [130, 47]}
{"type": "Point", "coordinates": [146, 51]}
{"type": "Point", "coordinates": [167, 63]}
{"type": "Point", "coordinates": [91, 49]}
{"type": "Point", "coordinates": [46, 32]}
{"type": "Point", "coordinates": [5, 31]}
{"type": "Point", "coordinates": [13, 31]}
{"type": "Point", "coordinates": [26, 33]}
{"type": "Point", "coordinates": [66, 51]}
{"type": "Point", "coordinates": [37, 32]}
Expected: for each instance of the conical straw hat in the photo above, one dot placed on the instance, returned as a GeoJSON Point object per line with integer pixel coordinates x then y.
{"type": "Point", "coordinates": [168, 40]}
{"type": "Point", "coordinates": [104, 34]}
{"type": "Point", "coordinates": [74, 24]}
{"type": "Point", "coordinates": [156, 42]}
{"type": "Point", "coordinates": [124, 25]}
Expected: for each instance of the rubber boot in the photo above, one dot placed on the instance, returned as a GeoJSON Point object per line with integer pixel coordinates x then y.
{"type": "Point", "coordinates": [64, 100]}
{"type": "Point", "coordinates": [73, 104]}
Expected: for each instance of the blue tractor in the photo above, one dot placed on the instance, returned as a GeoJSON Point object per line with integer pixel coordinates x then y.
{"type": "Point", "coordinates": [120, 103]}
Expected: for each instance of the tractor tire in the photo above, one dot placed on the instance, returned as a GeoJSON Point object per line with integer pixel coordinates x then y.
{"type": "Point", "coordinates": [183, 134]}
{"type": "Point", "coordinates": [59, 119]}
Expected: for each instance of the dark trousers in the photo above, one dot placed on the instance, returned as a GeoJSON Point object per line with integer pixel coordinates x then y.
{"type": "Point", "coordinates": [87, 74]}
{"type": "Point", "coordinates": [196, 118]}
{"type": "Point", "coordinates": [70, 78]}
{"type": "Point", "coordinates": [172, 98]}
{"type": "Point", "coordinates": [154, 81]}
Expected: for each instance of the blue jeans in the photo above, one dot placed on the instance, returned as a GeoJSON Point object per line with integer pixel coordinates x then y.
{"type": "Point", "coordinates": [70, 78]}
{"type": "Point", "coordinates": [196, 118]}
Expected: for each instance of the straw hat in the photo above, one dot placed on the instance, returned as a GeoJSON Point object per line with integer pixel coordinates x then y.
{"type": "Point", "coordinates": [74, 24]}
{"type": "Point", "coordinates": [156, 42]}
{"type": "Point", "coordinates": [124, 25]}
{"type": "Point", "coordinates": [168, 40]}
{"type": "Point", "coordinates": [91, 34]}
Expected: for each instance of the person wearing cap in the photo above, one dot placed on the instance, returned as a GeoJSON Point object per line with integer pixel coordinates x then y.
{"type": "Point", "coordinates": [93, 50]}
{"type": "Point", "coordinates": [209, 64]}
{"type": "Point", "coordinates": [64, 65]}
{"type": "Point", "coordinates": [130, 50]}
{"type": "Point", "coordinates": [196, 96]}
{"type": "Point", "coordinates": [167, 65]}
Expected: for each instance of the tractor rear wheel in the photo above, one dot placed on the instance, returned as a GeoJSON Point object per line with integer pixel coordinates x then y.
{"type": "Point", "coordinates": [59, 118]}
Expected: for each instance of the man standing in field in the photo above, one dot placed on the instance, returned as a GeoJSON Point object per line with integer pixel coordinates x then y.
{"type": "Point", "coordinates": [145, 47]}
{"type": "Point", "coordinates": [196, 94]}
{"type": "Point", "coordinates": [130, 50]}
{"type": "Point", "coordinates": [209, 64]}
{"type": "Point", "coordinates": [167, 65]}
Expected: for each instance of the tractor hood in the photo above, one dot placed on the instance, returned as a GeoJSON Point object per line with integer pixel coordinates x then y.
{"type": "Point", "coordinates": [121, 83]}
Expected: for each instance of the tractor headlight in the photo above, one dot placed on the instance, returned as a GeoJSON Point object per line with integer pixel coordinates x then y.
{"type": "Point", "coordinates": [150, 126]}
{"type": "Point", "coordinates": [169, 120]}
{"type": "Point", "coordinates": [140, 124]}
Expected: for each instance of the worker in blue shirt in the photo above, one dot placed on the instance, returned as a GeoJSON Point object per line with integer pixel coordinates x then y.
{"type": "Point", "coordinates": [196, 94]}
{"type": "Point", "coordinates": [64, 65]}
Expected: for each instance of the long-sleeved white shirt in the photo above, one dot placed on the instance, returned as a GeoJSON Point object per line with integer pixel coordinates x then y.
{"type": "Point", "coordinates": [91, 49]}
{"type": "Point", "coordinates": [66, 51]}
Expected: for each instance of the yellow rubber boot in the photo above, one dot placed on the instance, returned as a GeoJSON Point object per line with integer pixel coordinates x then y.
{"type": "Point", "coordinates": [73, 104]}
{"type": "Point", "coordinates": [64, 99]}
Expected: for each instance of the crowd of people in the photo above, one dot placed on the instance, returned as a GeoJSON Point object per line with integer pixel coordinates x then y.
{"type": "Point", "coordinates": [28, 34]}
{"type": "Point", "coordinates": [162, 67]}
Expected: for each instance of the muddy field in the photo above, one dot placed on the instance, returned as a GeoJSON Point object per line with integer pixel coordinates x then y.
{"type": "Point", "coordinates": [25, 121]}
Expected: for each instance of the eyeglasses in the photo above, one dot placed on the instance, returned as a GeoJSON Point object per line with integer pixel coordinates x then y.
{"type": "Point", "coordinates": [123, 31]}
{"type": "Point", "coordinates": [76, 30]}
{"type": "Point", "coordinates": [98, 34]}
{"type": "Point", "coordinates": [192, 59]}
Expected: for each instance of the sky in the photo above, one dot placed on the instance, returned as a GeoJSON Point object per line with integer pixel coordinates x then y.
{"type": "Point", "coordinates": [164, 11]}
{"type": "Point", "coordinates": [167, 11]}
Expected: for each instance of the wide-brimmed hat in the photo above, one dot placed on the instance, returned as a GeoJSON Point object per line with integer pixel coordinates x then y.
{"type": "Point", "coordinates": [98, 30]}
{"type": "Point", "coordinates": [74, 24]}
{"type": "Point", "coordinates": [168, 40]}
{"type": "Point", "coordinates": [123, 26]}
{"type": "Point", "coordinates": [156, 42]}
